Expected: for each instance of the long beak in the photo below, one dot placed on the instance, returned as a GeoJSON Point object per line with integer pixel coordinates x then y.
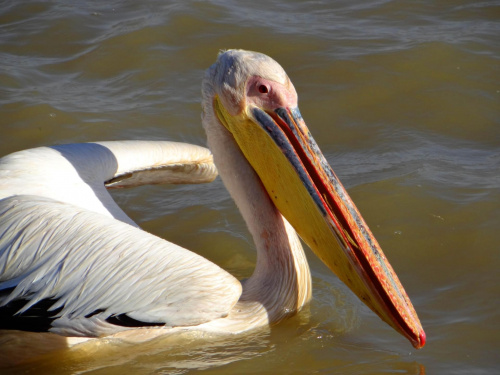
{"type": "Point", "coordinates": [307, 192]}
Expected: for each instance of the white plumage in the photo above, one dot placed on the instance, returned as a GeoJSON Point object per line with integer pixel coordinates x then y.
{"type": "Point", "coordinates": [61, 241]}
{"type": "Point", "coordinates": [77, 173]}
{"type": "Point", "coordinates": [72, 262]}
{"type": "Point", "coordinates": [87, 262]}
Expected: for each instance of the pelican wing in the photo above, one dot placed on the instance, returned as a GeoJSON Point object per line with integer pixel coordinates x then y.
{"type": "Point", "coordinates": [72, 262]}
{"type": "Point", "coordinates": [160, 162]}
{"type": "Point", "coordinates": [80, 273]}
{"type": "Point", "coordinates": [77, 173]}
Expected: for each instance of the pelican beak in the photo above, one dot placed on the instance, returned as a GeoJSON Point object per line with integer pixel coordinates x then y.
{"type": "Point", "coordinates": [307, 192]}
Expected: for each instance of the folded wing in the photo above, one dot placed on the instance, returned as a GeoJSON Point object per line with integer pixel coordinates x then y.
{"type": "Point", "coordinates": [72, 262]}
{"type": "Point", "coordinates": [80, 273]}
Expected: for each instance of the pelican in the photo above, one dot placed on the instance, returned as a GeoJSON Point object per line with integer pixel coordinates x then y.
{"type": "Point", "coordinates": [73, 263]}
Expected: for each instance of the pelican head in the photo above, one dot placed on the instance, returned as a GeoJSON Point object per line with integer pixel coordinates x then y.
{"type": "Point", "coordinates": [251, 97]}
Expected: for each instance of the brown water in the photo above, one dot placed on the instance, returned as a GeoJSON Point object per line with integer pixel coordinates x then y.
{"type": "Point", "coordinates": [403, 99]}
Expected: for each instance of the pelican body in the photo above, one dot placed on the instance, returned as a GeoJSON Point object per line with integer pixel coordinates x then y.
{"type": "Point", "coordinates": [72, 262]}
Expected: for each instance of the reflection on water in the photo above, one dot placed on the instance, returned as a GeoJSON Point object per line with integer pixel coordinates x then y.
{"type": "Point", "coordinates": [175, 354]}
{"type": "Point", "coordinates": [401, 96]}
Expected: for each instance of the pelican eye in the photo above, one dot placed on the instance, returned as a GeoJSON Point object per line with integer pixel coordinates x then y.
{"type": "Point", "coordinates": [263, 89]}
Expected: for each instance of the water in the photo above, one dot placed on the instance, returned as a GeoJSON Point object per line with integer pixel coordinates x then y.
{"type": "Point", "coordinates": [403, 99]}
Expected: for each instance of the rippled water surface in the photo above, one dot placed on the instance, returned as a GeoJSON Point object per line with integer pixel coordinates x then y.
{"type": "Point", "coordinates": [403, 99]}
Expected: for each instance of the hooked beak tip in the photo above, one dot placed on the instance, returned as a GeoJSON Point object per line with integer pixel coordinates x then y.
{"type": "Point", "coordinates": [419, 344]}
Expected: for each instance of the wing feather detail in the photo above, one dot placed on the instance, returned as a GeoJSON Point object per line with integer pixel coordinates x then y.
{"type": "Point", "coordinates": [94, 267]}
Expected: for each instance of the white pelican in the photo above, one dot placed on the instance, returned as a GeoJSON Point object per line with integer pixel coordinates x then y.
{"type": "Point", "coordinates": [72, 262]}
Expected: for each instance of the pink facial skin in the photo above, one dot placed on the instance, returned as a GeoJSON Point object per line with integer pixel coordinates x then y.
{"type": "Point", "coordinates": [270, 95]}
